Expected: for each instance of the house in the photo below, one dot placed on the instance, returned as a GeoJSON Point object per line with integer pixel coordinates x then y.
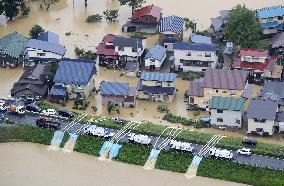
{"type": "Point", "coordinates": [32, 83]}
{"type": "Point", "coordinates": [106, 52]}
{"type": "Point", "coordinates": [170, 31]}
{"type": "Point", "coordinates": [74, 79]}
{"type": "Point", "coordinates": [128, 49]}
{"type": "Point", "coordinates": [271, 19]}
{"type": "Point", "coordinates": [156, 86]}
{"type": "Point", "coordinates": [261, 116]}
{"type": "Point", "coordinates": [145, 20]}
{"type": "Point", "coordinates": [273, 90]}
{"type": "Point", "coordinates": [217, 23]}
{"type": "Point", "coordinates": [48, 36]}
{"type": "Point", "coordinates": [12, 47]}
{"type": "Point", "coordinates": [155, 58]}
{"type": "Point", "coordinates": [120, 94]}
{"type": "Point", "coordinates": [42, 51]}
{"type": "Point", "coordinates": [216, 82]}
{"type": "Point", "coordinates": [196, 38]}
{"type": "Point", "coordinates": [226, 111]}
{"type": "Point", "coordinates": [259, 64]}
{"type": "Point", "coordinates": [277, 45]}
{"type": "Point", "coordinates": [195, 57]}
{"type": "Point", "coordinates": [280, 122]}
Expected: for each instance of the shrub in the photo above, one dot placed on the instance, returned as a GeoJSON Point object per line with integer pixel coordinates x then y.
{"type": "Point", "coordinates": [35, 31]}
{"type": "Point", "coordinates": [196, 112]}
{"type": "Point", "coordinates": [163, 109]}
{"type": "Point", "coordinates": [111, 15]}
{"type": "Point", "coordinates": [81, 104]}
{"type": "Point", "coordinates": [94, 18]}
{"type": "Point", "coordinates": [82, 54]}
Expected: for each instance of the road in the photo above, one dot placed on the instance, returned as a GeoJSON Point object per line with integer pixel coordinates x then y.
{"type": "Point", "coordinates": [253, 160]}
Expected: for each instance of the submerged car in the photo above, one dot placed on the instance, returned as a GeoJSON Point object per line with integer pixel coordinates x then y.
{"type": "Point", "coordinates": [49, 112]}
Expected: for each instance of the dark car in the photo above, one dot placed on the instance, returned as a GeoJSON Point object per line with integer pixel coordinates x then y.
{"type": "Point", "coordinates": [47, 123]}
{"type": "Point", "coordinates": [249, 141]}
{"type": "Point", "coordinates": [33, 108]}
{"type": "Point", "coordinates": [29, 100]}
{"type": "Point", "coordinates": [65, 113]}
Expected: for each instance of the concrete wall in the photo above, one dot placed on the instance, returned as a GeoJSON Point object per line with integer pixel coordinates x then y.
{"type": "Point", "coordinates": [269, 31]}
{"type": "Point", "coordinates": [155, 97]}
{"type": "Point", "coordinates": [154, 83]}
{"type": "Point", "coordinates": [267, 126]}
{"type": "Point", "coordinates": [127, 51]}
{"type": "Point", "coordinates": [229, 118]}
{"type": "Point", "coordinates": [35, 53]}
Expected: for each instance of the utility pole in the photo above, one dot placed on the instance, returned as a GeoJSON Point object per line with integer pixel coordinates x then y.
{"type": "Point", "coordinates": [86, 3]}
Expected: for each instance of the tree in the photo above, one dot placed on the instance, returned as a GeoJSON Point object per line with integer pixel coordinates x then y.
{"type": "Point", "coordinates": [48, 3]}
{"type": "Point", "coordinates": [242, 28]}
{"type": "Point", "coordinates": [189, 24]}
{"type": "Point", "coordinates": [133, 4]}
{"type": "Point", "coordinates": [110, 107]}
{"type": "Point", "coordinates": [111, 15]}
{"type": "Point", "coordinates": [94, 18]}
{"type": "Point", "coordinates": [10, 8]}
{"type": "Point", "coordinates": [35, 31]}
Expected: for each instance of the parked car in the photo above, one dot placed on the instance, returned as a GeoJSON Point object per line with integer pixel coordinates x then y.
{"type": "Point", "coordinates": [2, 117]}
{"type": "Point", "coordinates": [249, 141]}
{"type": "Point", "coordinates": [29, 100]}
{"type": "Point", "coordinates": [244, 151]}
{"type": "Point", "coordinates": [33, 108]}
{"type": "Point", "coordinates": [65, 113]}
{"type": "Point", "coordinates": [119, 120]}
{"type": "Point", "coordinates": [47, 123]}
{"type": "Point", "coordinates": [49, 112]}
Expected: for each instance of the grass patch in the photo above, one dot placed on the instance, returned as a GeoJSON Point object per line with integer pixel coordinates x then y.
{"type": "Point", "coordinates": [89, 145]}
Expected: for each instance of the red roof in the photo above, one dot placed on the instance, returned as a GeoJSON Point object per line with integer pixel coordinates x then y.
{"type": "Point", "coordinates": [152, 10]}
{"type": "Point", "coordinates": [109, 38]}
{"type": "Point", "coordinates": [103, 49]}
{"type": "Point", "coordinates": [268, 65]}
{"type": "Point", "coordinates": [253, 52]}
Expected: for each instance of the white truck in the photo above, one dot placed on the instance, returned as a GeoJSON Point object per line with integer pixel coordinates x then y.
{"type": "Point", "coordinates": [139, 138]}
{"type": "Point", "coordinates": [221, 153]}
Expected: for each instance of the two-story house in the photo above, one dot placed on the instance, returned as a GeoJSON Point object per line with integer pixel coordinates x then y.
{"type": "Point", "coordinates": [271, 19]}
{"type": "Point", "coordinates": [155, 58]}
{"type": "Point", "coordinates": [170, 31]}
{"type": "Point", "coordinates": [226, 111]}
{"type": "Point", "coordinates": [261, 116]}
{"type": "Point", "coordinates": [259, 64]}
{"type": "Point", "coordinates": [12, 47]}
{"type": "Point", "coordinates": [145, 20]}
{"type": "Point", "coordinates": [273, 90]}
{"type": "Point", "coordinates": [156, 86]}
{"type": "Point", "coordinates": [43, 51]}
{"type": "Point", "coordinates": [195, 57]}
{"type": "Point", "coordinates": [74, 79]}
{"type": "Point", "coordinates": [216, 82]}
{"type": "Point", "coordinates": [118, 93]}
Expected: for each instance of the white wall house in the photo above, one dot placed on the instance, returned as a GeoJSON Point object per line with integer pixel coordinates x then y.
{"type": "Point", "coordinates": [155, 58]}
{"type": "Point", "coordinates": [226, 111]}
{"type": "Point", "coordinates": [194, 57]}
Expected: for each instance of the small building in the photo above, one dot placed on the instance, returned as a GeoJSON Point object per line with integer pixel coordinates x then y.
{"type": "Point", "coordinates": [171, 31]}
{"type": "Point", "coordinates": [106, 52]}
{"type": "Point", "coordinates": [120, 94]}
{"type": "Point", "coordinates": [195, 57]}
{"type": "Point", "coordinates": [156, 86]}
{"type": "Point", "coordinates": [216, 82]}
{"type": "Point", "coordinates": [226, 111]}
{"type": "Point", "coordinates": [155, 58]}
{"type": "Point", "coordinates": [145, 20]}
{"type": "Point", "coordinates": [128, 49]}
{"type": "Point", "coordinates": [48, 36]}
{"type": "Point", "coordinates": [32, 83]}
{"type": "Point", "coordinates": [273, 90]}
{"type": "Point", "coordinates": [277, 45]}
{"type": "Point", "coordinates": [38, 51]}
{"type": "Point", "coordinates": [259, 64]}
{"type": "Point", "coordinates": [261, 116]}
{"type": "Point", "coordinates": [12, 47]}
{"type": "Point", "coordinates": [74, 79]}
{"type": "Point", "coordinates": [271, 19]}
{"type": "Point", "coordinates": [196, 38]}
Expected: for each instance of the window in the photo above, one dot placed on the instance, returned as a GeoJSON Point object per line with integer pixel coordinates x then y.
{"type": "Point", "coordinates": [188, 54]}
{"type": "Point", "coordinates": [233, 93]}
{"type": "Point", "coordinates": [40, 54]}
{"type": "Point", "coordinates": [207, 54]}
{"type": "Point", "coordinates": [134, 49]}
{"type": "Point", "coordinates": [152, 60]}
{"type": "Point", "coordinates": [238, 121]}
{"type": "Point", "coordinates": [169, 84]}
{"type": "Point", "coordinates": [199, 54]}
{"type": "Point", "coordinates": [219, 119]}
{"type": "Point", "coordinates": [120, 49]}
{"type": "Point", "coordinates": [216, 91]}
{"type": "Point", "coordinates": [270, 19]}
{"type": "Point", "coordinates": [280, 18]}
{"type": "Point", "coordinates": [259, 120]}
{"type": "Point", "coordinates": [158, 84]}
{"type": "Point", "coordinates": [224, 91]}
{"type": "Point", "coordinates": [219, 111]}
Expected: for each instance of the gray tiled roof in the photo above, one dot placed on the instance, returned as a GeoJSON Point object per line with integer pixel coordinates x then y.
{"type": "Point", "coordinates": [262, 109]}
{"type": "Point", "coordinates": [158, 76]}
{"type": "Point", "coordinates": [272, 90]}
{"type": "Point", "coordinates": [196, 88]}
{"type": "Point", "coordinates": [127, 42]}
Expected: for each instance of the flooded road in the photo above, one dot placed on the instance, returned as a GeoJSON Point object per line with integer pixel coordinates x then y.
{"type": "Point", "coordinates": [32, 164]}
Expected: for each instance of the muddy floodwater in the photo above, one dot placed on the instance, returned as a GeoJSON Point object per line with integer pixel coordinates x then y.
{"type": "Point", "coordinates": [32, 164]}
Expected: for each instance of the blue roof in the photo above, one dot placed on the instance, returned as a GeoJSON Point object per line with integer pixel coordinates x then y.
{"type": "Point", "coordinates": [49, 37]}
{"type": "Point", "coordinates": [273, 24]}
{"type": "Point", "coordinates": [201, 39]}
{"type": "Point", "coordinates": [273, 11]}
{"type": "Point", "coordinates": [155, 90]}
{"type": "Point", "coordinates": [195, 46]}
{"type": "Point", "coordinates": [114, 88]}
{"type": "Point", "coordinates": [171, 23]}
{"type": "Point", "coordinates": [46, 46]}
{"type": "Point", "coordinates": [75, 71]}
{"type": "Point", "coordinates": [157, 52]}
{"type": "Point", "coordinates": [58, 91]}
{"type": "Point", "coordinates": [158, 76]}
{"type": "Point", "coordinates": [217, 23]}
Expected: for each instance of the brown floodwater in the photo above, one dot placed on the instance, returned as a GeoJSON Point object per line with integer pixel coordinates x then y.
{"type": "Point", "coordinates": [32, 164]}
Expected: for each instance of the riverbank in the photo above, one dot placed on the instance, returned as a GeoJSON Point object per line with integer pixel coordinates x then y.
{"type": "Point", "coordinates": [32, 164]}
{"type": "Point", "coordinates": [135, 154]}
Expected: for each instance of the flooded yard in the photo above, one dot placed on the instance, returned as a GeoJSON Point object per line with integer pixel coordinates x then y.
{"type": "Point", "coordinates": [33, 164]}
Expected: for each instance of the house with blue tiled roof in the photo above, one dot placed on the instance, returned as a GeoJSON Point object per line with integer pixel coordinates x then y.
{"type": "Point", "coordinates": [170, 31]}
{"type": "Point", "coordinates": [74, 79]}
{"type": "Point", "coordinates": [156, 86]}
{"type": "Point", "coordinates": [43, 51]}
{"type": "Point", "coordinates": [120, 94]}
{"type": "Point", "coordinates": [195, 57]}
{"type": "Point", "coordinates": [271, 19]}
{"type": "Point", "coordinates": [49, 37]}
{"type": "Point", "coordinates": [155, 57]}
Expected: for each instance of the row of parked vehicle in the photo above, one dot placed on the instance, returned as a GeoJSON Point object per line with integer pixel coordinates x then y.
{"type": "Point", "coordinates": [94, 130]}
{"type": "Point", "coordinates": [181, 146]}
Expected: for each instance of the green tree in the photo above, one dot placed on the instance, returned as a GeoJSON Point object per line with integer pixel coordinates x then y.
{"type": "Point", "coordinates": [133, 4]}
{"type": "Point", "coordinates": [111, 15]}
{"type": "Point", "coordinates": [35, 31]}
{"type": "Point", "coordinates": [110, 107]}
{"type": "Point", "coordinates": [242, 28]}
{"type": "Point", "coordinates": [189, 24]}
{"type": "Point", "coordinates": [48, 3]}
{"type": "Point", "coordinates": [9, 8]}
{"type": "Point", "coordinates": [94, 18]}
